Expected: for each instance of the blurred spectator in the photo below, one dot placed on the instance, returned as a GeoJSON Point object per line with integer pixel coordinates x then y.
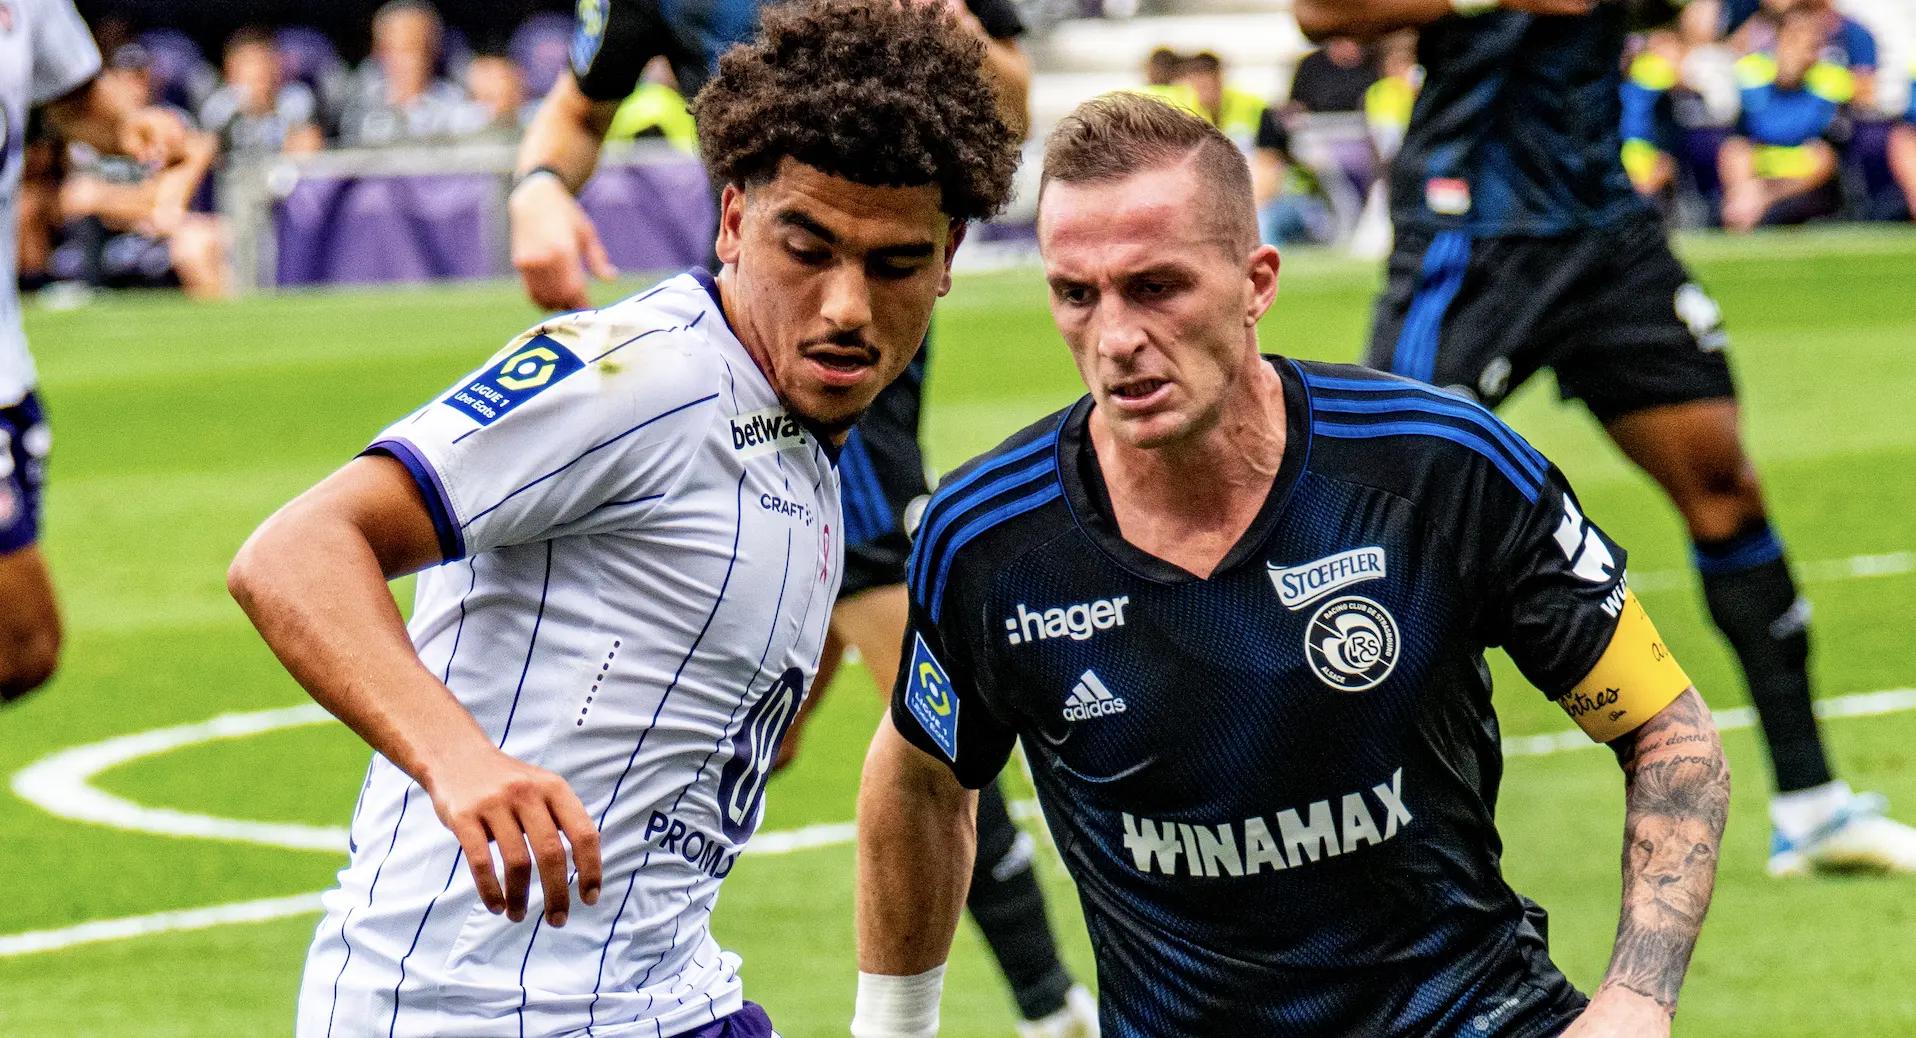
{"type": "Point", "coordinates": [655, 109]}
{"type": "Point", "coordinates": [1847, 44]}
{"type": "Point", "coordinates": [1649, 127]}
{"type": "Point", "coordinates": [1780, 168]}
{"type": "Point", "coordinates": [1237, 112]}
{"type": "Point", "coordinates": [308, 57]}
{"type": "Point", "coordinates": [257, 111]}
{"type": "Point", "coordinates": [1333, 77]}
{"type": "Point", "coordinates": [1161, 71]}
{"type": "Point", "coordinates": [1388, 102]}
{"type": "Point", "coordinates": [497, 107]}
{"type": "Point", "coordinates": [399, 97]}
{"type": "Point", "coordinates": [1902, 153]}
{"type": "Point", "coordinates": [129, 227]}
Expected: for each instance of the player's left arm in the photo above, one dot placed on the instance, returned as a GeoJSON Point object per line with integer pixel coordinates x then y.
{"type": "Point", "coordinates": [1567, 616]}
{"type": "Point", "coordinates": [1676, 801]}
{"type": "Point", "coordinates": [112, 118]}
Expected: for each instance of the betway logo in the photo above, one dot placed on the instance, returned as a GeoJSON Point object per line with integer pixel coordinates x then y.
{"type": "Point", "coordinates": [765, 432]}
{"type": "Point", "coordinates": [1299, 586]}
{"type": "Point", "coordinates": [1090, 698]}
{"type": "Point", "coordinates": [1324, 829]}
{"type": "Point", "coordinates": [1077, 622]}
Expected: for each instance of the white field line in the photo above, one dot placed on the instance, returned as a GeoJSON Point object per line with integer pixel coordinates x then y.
{"type": "Point", "coordinates": [787, 841]}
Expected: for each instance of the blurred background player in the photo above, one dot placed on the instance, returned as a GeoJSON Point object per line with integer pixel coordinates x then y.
{"type": "Point", "coordinates": [1521, 245]}
{"type": "Point", "coordinates": [1270, 758]}
{"type": "Point", "coordinates": [1780, 167]}
{"type": "Point", "coordinates": [48, 58]}
{"type": "Point", "coordinates": [882, 465]}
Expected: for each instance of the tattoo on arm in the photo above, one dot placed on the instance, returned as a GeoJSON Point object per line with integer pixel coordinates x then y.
{"type": "Point", "coordinates": [1677, 797]}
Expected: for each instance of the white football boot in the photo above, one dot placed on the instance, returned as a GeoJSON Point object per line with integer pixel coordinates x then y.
{"type": "Point", "coordinates": [1853, 837]}
{"type": "Point", "coordinates": [1078, 1018]}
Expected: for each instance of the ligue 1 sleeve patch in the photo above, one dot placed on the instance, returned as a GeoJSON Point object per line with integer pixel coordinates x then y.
{"type": "Point", "coordinates": [521, 376]}
{"type": "Point", "coordinates": [930, 699]}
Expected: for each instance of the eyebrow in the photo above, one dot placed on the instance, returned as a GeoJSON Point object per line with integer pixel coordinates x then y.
{"type": "Point", "coordinates": [906, 250]}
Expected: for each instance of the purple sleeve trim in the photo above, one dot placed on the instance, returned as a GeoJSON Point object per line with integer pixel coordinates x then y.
{"type": "Point", "coordinates": [452, 542]}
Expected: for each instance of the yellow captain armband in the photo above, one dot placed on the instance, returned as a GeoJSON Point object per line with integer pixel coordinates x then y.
{"type": "Point", "coordinates": [1634, 679]}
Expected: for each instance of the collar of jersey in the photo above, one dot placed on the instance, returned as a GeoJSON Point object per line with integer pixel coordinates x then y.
{"type": "Point", "coordinates": [1090, 501]}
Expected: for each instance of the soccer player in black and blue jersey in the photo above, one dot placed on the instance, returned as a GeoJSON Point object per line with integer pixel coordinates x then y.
{"type": "Point", "coordinates": [1520, 245]}
{"type": "Point", "coordinates": [1235, 607]}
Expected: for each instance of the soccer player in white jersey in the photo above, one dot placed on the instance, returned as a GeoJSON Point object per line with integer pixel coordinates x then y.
{"type": "Point", "coordinates": [47, 57]}
{"type": "Point", "coordinates": [630, 537]}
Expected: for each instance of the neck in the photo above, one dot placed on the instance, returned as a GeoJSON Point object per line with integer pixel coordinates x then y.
{"type": "Point", "coordinates": [1207, 489]}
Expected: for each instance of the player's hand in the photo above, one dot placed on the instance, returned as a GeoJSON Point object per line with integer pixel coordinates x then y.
{"type": "Point", "coordinates": [494, 798]}
{"type": "Point", "coordinates": [1551, 8]}
{"type": "Point", "coordinates": [554, 243]}
{"type": "Point", "coordinates": [153, 135]}
{"type": "Point", "coordinates": [1621, 1013]}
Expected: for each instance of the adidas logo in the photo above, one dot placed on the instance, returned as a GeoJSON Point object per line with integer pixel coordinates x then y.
{"type": "Point", "coordinates": [1089, 698]}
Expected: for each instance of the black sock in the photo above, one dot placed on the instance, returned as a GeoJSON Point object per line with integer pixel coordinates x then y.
{"type": "Point", "coordinates": [1746, 581]}
{"type": "Point", "coordinates": [1008, 907]}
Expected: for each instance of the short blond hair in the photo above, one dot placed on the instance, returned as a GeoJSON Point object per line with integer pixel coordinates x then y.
{"type": "Point", "coordinates": [1122, 134]}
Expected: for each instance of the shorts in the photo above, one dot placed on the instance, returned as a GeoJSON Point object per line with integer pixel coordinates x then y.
{"type": "Point", "coordinates": [1610, 310]}
{"type": "Point", "coordinates": [881, 474]}
{"type": "Point", "coordinates": [749, 1022]}
{"type": "Point", "coordinates": [25, 440]}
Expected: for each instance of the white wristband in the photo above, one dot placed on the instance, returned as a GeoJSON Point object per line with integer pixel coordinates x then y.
{"type": "Point", "coordinates": [898, 1007]}
{"type": "Point", "coordinates": [1473, 8]}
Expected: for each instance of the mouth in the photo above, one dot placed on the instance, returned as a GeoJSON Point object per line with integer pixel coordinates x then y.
{"type": "Point", "coordinates": [840, 366]}
{"type": "Point", "coordinates": [1138, 394]}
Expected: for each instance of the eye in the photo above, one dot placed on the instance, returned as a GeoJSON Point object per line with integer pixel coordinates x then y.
{"type": "Point", "coordinates": [810, 256]}
{"type": "Point", "coordinates": [894, 271]}
{"type": "Point", "coordinates": [1071, 295]}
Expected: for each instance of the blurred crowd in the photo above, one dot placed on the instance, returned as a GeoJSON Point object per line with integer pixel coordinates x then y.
{"type": "Point", "coordinates": [1743, 113]}
{"type": "Point", "coordinates": [104, 221]}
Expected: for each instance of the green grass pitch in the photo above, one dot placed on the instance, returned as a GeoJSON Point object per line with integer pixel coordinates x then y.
{"type": "Point", "coordinates": [179, 427]}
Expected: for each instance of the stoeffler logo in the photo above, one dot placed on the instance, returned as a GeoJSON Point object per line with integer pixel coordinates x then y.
{"type": "Point", "coordinates": [1299, 586]}
{"type": "Point", "coordinates": [766, 432]}
{"type": "Point", "coordinates": [1076, 622]}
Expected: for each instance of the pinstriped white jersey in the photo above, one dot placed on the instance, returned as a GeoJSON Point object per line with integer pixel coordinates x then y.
{"type": "Point", "coordinates": [45, 52]}
{"type": "Point", "coordinates": [646, 549]}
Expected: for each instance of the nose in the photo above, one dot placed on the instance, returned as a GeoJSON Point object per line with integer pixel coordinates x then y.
{"type": "Point", "coordinates": [1118, 335]}
{"type": "Point", "coordinates": [847, 305]}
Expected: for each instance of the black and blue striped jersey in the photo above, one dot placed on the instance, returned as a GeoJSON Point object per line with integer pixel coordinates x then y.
{"type": "Point", "coordinates": [1516, 127]}
{"type": "Point", "coordinates": [1276, 785]}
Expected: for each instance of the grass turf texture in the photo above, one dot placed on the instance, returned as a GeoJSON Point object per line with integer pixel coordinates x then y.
{"type": "Point", "coordinates": [179, 427]}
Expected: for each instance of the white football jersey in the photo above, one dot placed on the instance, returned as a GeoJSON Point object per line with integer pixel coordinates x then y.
{"type": "Point", "coordinates": [646, 548]}
{"type": "Point", "coordinates": [45, 52]}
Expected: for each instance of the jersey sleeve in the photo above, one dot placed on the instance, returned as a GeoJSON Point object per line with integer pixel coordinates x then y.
{"type": "Point", "coordinates": [1563, 611]}
{"type": "Point", "coordinates": [999, 17]}
{"type": "Point", "coordinates": [611, 42]}
{"type": "Point", "coordinates": [938, 706]}
{"type": "Point", "coordinates": [572, 425]}
{"type": "Point", "coordinates": [64, 56]}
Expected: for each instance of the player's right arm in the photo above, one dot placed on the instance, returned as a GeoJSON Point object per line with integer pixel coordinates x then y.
{"type": "Point", "coordinates": [313, 580]}
{"type": "Point", "coordinates": [1369, 19]}
{"type": "Point", "coordinates": [917, 835]}
{"type": "Point", "coordinates": [917, 816]}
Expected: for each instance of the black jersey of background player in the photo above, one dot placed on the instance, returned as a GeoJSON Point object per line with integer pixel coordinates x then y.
{"type": "Point", "coordinates": [1516, 127]}
{"type": "Point", "coordinates": [1275, 786]}
{"type": "Point", "coordinates": [613, 39]}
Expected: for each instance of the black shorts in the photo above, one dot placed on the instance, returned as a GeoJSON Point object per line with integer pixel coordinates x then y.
{"type": "Point", "coordinates": [1610, 310]}
{"type": "Point", "coordinates": [24, 443]}
{"type": "Point", "coordinates": [881, 475]}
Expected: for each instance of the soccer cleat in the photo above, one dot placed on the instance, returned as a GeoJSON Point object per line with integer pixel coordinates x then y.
{"type": "Point", "coordinates": [1078, 1018]}
{"type": "Point", "coordinates": [1858, 837]}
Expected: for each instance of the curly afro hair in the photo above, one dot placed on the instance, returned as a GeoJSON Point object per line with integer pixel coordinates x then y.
{"type": "Point", "coordinates": [877, 92]}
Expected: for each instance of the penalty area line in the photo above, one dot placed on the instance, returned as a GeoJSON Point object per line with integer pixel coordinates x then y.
{"type": "Point", "coordinates": [784, 841]}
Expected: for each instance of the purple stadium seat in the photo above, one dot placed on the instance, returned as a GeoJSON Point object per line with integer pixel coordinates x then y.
{"type": "Point", "coordinates": [539, 47]}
